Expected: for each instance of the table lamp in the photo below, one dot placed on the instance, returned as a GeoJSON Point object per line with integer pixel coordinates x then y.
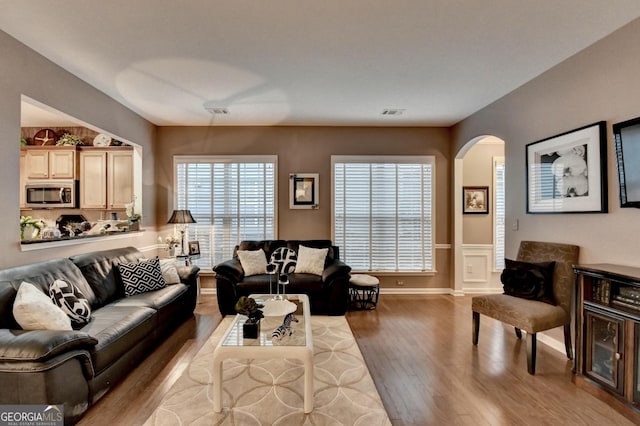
{"type": "Point", "coordinates": [181, 219]}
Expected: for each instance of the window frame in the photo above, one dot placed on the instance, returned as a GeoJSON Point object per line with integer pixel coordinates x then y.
{"type": "Point", "coordinates": [226, 159]}
{"type": "Point", "coordinates": [391, 159]}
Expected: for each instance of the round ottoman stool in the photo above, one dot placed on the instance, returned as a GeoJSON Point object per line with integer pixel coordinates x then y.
{"type": "Point", "coordinates": [364, 291]}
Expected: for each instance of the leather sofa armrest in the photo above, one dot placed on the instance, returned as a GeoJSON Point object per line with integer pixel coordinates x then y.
{"type": "Point", "coordinates": [188, 274]}
{"type": "Point", "coordinates": [334, 270]}
{"type": "Point", "coordinates": [41, 345]}
{"type": "Point", "coordinates": [231, 270]}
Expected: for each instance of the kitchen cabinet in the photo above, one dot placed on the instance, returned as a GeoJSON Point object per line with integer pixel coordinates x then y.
{"type": "Point", "coordinates": [51, 163]}
{"type": "Point", "coordinates": [106, 178]}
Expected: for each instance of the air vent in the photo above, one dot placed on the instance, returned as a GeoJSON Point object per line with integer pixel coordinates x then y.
{"type": "Point", "coordinates": [393, 111]}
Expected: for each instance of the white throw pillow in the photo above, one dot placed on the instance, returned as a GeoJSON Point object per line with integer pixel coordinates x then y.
{"type": "Point", "coordinates": [254, 262]}
{"type": "Point", "coordinates": [169, 271]}
{"type": "Point", "coordinates": [34, 310]}
{"type": "Point", "coordinates": [311, 260]}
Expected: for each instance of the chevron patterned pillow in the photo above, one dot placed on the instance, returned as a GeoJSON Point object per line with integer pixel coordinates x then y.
{"type": "Point", "coordinates": [141, 277]}
{"type": "Point", "coordinates": [71, 300]}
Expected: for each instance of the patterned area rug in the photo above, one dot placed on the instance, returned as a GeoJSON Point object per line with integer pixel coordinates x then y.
{"type": "Point", "coordinates": [270, 392]}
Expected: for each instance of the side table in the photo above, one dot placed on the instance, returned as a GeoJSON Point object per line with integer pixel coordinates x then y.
{"type": "Point", "coordinates": [364, 291]}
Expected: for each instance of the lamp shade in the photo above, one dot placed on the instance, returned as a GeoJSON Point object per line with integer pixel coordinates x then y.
{"type": "Point", "coordinates": [181, 216]}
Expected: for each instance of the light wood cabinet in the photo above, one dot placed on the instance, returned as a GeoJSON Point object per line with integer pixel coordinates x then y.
{"type": "Point", "coordinates": [54, 164]}
{"type": "Point", "coordinates": [23, 178]}
{"type": "Point", "coordinates": [106, 179]}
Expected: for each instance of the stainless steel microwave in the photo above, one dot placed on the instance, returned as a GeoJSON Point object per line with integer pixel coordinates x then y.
{"type": "Point", "coordinates": [50, 194]}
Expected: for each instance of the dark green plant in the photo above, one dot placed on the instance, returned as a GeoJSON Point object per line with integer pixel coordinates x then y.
{"type": "Point", "coordinates": [249, 307]}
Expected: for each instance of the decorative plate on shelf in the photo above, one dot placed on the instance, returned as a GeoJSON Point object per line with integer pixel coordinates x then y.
{"type": "Point", "coordinates": [45, 137]}
{"type": "Point", "coordinates": [102, 140]}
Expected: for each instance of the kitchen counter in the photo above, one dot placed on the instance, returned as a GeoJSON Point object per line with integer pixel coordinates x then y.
{"type": "Point", "coordinates": [27, 245]}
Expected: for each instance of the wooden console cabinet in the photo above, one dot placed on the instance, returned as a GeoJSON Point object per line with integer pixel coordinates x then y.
{"type": "Point", "coordinates": [607, 361]}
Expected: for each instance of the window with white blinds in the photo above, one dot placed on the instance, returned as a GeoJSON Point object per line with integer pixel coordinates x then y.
{"type": "Point", "coordinates": [231, 198]}
{"type": "Point", "coordinates": [383, 212]}
{"type": "Point", "coordinates": [499, 212]}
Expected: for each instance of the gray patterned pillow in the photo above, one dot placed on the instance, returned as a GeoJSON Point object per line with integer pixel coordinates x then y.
{"type": "Point", "coordinates": [141, 277]}
{"type": "Point", "coordinates": [71, 300]}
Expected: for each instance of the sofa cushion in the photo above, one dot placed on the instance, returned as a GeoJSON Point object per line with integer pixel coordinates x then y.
{"type": "Point", "coordinates": [40, 274]}
{"type": "Point", "coordinates": [153, 299]}
{"type": "Point", "coordinates": [285, 259]}
{"type": "Point", "coordinates": [118, 329]}
{"type": "Point", "coordinates": [310, 260]}
{"type": "Point", "coordinates": [99, 269]}
{"type": "Point", "coordinates": [33, 310]}
{"type": "Point", "coordinates": [142, 276]}
{"type": "Point", "coordinates": [169, 271]}
{"type": "Point", "coordinates": [253, 262]}
{"type": "Point", "coordinates": [317, 244]}
{"type": "Point", "coordinates": [71, 300]}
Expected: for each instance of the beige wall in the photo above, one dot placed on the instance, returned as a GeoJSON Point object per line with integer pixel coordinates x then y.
{"type": "Point", "coordinates": [24, 72]}
{"type": "Point", "coordinates": [478, 171]}
{"type": "Point", "coordinates": [309, 150]}
{"type": "Point", "coordinates": [599, 83]}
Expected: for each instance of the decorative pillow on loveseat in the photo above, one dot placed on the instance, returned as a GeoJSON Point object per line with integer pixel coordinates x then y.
{"type": "Point", "coordinates": [141, 277]}
{"type": "Point", "coordinates": [532, 281]}
{"type": "Point", "coordinates": [254, 262]}
{"type": "Point", "coordinates": [311, 260]}
{"type": "Point", "coordinates": [71, 300]}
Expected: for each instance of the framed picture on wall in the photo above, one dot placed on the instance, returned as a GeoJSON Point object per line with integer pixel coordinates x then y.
{"type": "Point", "coordinates": [475, 199]}
{"type": "Point", "coordinates": [304, 191]}
{"type": "Point", "coordinates": [567, 173]}
{"type": "Point", "coordinates": [194, 248]}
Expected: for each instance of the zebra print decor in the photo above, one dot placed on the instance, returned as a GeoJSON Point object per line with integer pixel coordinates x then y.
{"type": "Point", "coordinates": [286, 259]}
{"type": "Point", "coordinates": [285, 329]}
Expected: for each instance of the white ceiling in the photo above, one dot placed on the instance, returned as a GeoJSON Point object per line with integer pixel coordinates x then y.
{"type": "Point", "coordinates": [297, 62]}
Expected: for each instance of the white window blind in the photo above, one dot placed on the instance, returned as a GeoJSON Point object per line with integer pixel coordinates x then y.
{"type": "Point", "coordinates": [499, 212]}
{"type": "Point", "coordinates": [383, 212]}
{"type": "Point", "coordinates": [231, 199]}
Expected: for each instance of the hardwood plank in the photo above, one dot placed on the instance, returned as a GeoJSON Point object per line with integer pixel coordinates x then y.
{"type": "Point", "coordinates": [419, 352]}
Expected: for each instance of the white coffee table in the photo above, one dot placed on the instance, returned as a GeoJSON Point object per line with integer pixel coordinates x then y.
{"type": "Point", "coordinates": [299, 346]}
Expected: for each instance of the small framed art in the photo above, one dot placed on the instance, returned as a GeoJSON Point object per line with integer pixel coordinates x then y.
{"type": "Point", "coordinates": [303, 191]}
{"type": "Point", "coordinates": [475, 199]}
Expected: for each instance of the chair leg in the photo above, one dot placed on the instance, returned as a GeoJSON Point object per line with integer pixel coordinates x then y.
{"type": "Point", "coordinates": [567, 341]}
{"type": "Point", "coordinates": [531, 353]}
{"type": "Point", "coordinates": [475, 327]}
{"type": "Point", "coordinates": [518, 333]}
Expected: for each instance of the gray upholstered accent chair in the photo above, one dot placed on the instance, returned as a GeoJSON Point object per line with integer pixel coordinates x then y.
{"type": "Point", "coordinates": [530, 315]}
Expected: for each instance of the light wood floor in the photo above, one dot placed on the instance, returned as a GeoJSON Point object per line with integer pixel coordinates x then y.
{"type": "Point", "coordinates": [419, 352]}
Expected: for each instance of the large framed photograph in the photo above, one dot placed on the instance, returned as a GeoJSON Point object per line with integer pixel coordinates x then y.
{"type": "Point", "coordinates": [567, 173]}
{"type": "Point", "coordinates": [303, 191]}
{"type": "Point", "coordinates": [475, 200]}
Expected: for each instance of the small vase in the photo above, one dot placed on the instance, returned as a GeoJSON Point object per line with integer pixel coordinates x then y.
{"type": "Point", "coordinates": [172, 252]}
{"type": "Point", "coordinates": [251, 329]}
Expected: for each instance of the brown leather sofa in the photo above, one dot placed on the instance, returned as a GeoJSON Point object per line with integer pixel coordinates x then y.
{"type": "Point", "coordinates": [76, 368]}
{"type": "Point", "coordinates": [328, 293]}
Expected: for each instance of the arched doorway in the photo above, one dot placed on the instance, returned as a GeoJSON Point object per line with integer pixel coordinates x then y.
{"type": "Point", "coordinates": [476, 272]}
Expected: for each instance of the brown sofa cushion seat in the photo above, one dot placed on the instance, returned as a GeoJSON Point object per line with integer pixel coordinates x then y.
{"type": "Point", "coordinates": [528, 315]}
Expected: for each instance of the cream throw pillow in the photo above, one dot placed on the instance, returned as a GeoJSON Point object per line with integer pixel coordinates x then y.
{"type": "Point", "coordinates": [311, 260]}
{"type": "Point", "coordinates": [254, 262]}
{"type": "Point", "coordinates": [169, 271]}
{"type": "Point", "coordinates": [34, 310]}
